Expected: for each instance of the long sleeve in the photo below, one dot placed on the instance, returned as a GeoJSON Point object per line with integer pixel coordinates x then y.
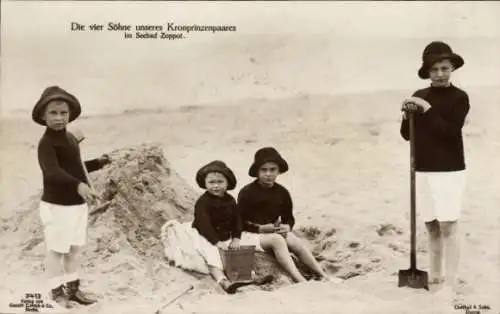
{"type": "Point", "coordinates": [244, 208]}
{"type": "Point", "coordinates": [287, 210]}
{"type": "Point", "coordinates": [405, 129]}
{"type": "Point", "coordinates": [92, 165]}
{"type": "Point", "coordinates": [453, 124]}
{"type": "Point", "coordinates": [53, 173]}
{"type": "Point", "coordinates": [203, 223]}
{"type": "Point", "coordinates": [236, 224]}
{"type": "Point", "coordinates": [405, 123]}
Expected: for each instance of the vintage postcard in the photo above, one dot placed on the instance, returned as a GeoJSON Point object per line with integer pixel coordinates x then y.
{"type": "Point", "coordinates": [250, 157]}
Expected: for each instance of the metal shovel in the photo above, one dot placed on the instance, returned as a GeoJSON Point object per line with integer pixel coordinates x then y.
{"type": "Point", "coordinates": [413, 277]}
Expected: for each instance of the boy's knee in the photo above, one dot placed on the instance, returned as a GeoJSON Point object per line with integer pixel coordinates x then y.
{"type": "Point", "coordinates": [433, 228]}
{"type": "Point", "coordinates": [277, 241]}
{"type": "Point", "coordinates": [293, 242]}
{"type": "Point", "coordinates": [74, 249]}
{"type": "Point", "coordinates": [448, 228]}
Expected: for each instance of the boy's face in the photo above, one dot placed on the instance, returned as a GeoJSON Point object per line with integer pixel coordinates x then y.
{"type": "Point", "coordinates": [56, 115]}
{"type": "Point", "coordinates": [440, 73]}
{"type": "Point", "coordinates": [216, 183]}
{"type": "Point", "coordinates": [268, 173]}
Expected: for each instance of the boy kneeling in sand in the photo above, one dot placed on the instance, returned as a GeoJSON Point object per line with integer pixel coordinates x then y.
{"type": "Point", "coordinates": [264, 202]}
{"type": "Point", "coordinates": [440, 110]}
{"type": "Point", "coordinates": [218, 222]}
{"type": "Point", "coordinates": [63, 208]}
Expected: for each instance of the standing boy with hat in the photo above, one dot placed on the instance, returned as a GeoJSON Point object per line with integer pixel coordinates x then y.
{"type": "Point", "coordinates": [440, 113]}
{"type": "Point", "coordinates": [63, 208]}
{"type": "Point", "coordinates": [267, 212]}
{"type": "Point", "coordinates": [217, 220]}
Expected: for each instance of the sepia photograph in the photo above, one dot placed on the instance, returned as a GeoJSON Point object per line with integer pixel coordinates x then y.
{"type": "Point", "coordinates": [251, 157]}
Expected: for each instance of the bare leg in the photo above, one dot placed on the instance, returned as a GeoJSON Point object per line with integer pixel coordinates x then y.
{"type": "Point", "coordinates": [435, 251]}
{"type": "Point", "coordinates": [70, 263]}
{"type": "Point", "coordinates": [216, 273]}
{"type": "Point", "coordinates": [278, 245]}
{"type": "Point", "coordinates": [223, 281]}
{"type": "Point", "coordinates": [449, 229]}
{"type": "Point", "coordinates": [304, 254]}
{"type": "Point", "coordinates": [54, 268]}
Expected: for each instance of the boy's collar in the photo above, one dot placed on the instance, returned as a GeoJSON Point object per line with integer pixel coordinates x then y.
{"type": "Point", "coordinates": [449, 85]}
{"type": "Point", "coordinates": [51, 131]}
{"type": "Point", "coordinates": [257, 181]}
{"type": "Point", "coordinates": [216, 196]}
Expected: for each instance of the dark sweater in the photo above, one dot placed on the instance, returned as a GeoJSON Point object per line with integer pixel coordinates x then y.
{"type": "Point", "coordinates": [60, 161]}
{"type": "Point", "coordinates": [259, 206]}
{"type": "Point", "coordinates": [438, 132]}
{"type": "Point", "coordinates": [216, 218]}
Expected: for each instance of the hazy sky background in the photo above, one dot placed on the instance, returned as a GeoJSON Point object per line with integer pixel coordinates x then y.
{"type": "Point", "coordinates": [344, 46]}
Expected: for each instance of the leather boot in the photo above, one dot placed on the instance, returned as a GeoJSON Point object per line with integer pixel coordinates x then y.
{"type": "Point", "coordinates": [59, 296]}
{"type": "Point", "coordinates": [75, 294]}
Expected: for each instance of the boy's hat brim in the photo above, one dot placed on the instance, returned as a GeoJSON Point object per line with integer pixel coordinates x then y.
{"type": "Point", "coordinates": [55, 93]}
{"type": "Point", "coordinates": [456, 60]}
{"type": "Point", "coordinates": [267, 154]}
{"type": "Point", "coordinates": [216, 166]}
{"type": "Point", "coordinates": [438, 51]}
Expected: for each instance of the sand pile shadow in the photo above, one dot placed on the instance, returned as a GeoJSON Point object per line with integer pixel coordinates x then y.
{"type": "Point", "coordinates": [143, 193]}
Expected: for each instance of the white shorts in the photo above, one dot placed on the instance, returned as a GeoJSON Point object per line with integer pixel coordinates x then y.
{"type": "Point", "coordinates": [210, 252]}
{"type": "Point", "coordinates": [64, 226]}
{"type": "Point", "coordinates": [439, 195]}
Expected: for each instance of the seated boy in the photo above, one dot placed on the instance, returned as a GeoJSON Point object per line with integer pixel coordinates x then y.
{"type": "Point", "coordinates": [263, 204]}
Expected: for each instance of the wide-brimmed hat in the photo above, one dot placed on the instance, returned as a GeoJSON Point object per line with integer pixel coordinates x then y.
{"type": "Point", "coordinates": [55, 93]}
{"type": "Point", "coordinates": [216, 166]}
{"type": "Point", "coordinates": [267, 154]}
{"type": "Point", "coordinates": [437, 51]}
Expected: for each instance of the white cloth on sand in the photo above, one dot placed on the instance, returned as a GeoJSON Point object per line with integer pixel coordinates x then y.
{"type": "Point", "coordinates": [64, 226]}
{"type": "Point", "coordinates": [439, 195]}
{"type": "Point", "coordinates": [180, 246]}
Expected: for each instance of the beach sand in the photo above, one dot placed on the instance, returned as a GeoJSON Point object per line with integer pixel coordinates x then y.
{"type": "Point", "coordinates": [348, 170]}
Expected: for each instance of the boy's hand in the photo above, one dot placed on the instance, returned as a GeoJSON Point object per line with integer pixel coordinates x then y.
{"type": "Point", "coordinates": [268, 228]}
{"type": "Point", "coordinates": [408, 106]}
{"type": "Point", "coordinates": [235, 244]}
{"type": "Point", "coordinates": [421, 103]}
{"type": "Point", "coordinates": [413, 104]}
{"type": "Point", "coordinates": [89, 195]}
{"type": "Point", "coordinates": [284, 228]}
{"type": "Point", "coordinates": [221, 245]}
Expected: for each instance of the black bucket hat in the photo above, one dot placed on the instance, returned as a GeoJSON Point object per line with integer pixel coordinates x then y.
{"type": "Point", "coordinates": [267, 154]}
{"type": "Point", "coordinates": [55, 93]}
{"type": "Point", "coordinates": [216, 166]}
{"type": "Point", "coordinates": [437, 51]}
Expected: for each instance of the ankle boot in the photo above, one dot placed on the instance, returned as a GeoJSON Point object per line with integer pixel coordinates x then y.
{"type": "Point", "coordinates": [75, 294]}
{"type": "Point", "coordinates": [59, 296]}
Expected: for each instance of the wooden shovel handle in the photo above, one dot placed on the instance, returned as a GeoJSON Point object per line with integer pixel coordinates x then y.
{"type": "Point", "coordinates": [413, 256]}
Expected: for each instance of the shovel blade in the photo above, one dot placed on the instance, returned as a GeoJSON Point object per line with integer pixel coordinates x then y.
{"type": "Point", "coordinates": [413, 278]}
